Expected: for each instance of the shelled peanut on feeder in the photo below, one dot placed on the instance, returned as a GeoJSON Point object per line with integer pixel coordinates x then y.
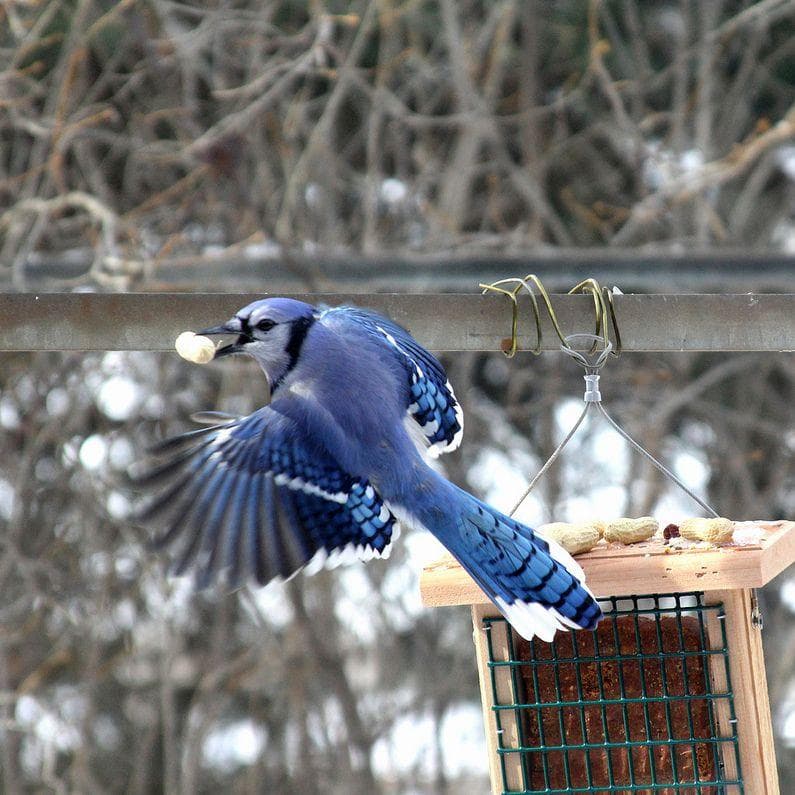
{"type": "Point", "coordinates": [574, 538]}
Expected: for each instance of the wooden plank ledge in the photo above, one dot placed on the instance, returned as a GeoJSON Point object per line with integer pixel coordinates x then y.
{"type": "Point", "coordinates": [649, 567]}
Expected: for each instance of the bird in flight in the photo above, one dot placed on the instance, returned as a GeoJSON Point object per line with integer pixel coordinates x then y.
{"type": "Point", "coordinates": [337, 462]}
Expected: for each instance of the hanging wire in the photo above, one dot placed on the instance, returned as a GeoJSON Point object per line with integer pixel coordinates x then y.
{"type": "Point", "coordinates": [601, 348]}
{"type": "Point", "coordinates": [551, 460]}
{"type": "Point", "coordinates": [593, 362]}
{"type": "Point", "coordinates": [660, 466]}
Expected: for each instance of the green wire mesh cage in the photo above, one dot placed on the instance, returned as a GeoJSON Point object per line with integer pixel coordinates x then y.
{"type": "Point", "coordinates": [641, 705]}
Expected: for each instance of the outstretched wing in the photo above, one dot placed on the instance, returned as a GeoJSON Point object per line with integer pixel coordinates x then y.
{"type": "Point", "coordinates": [432, 403]}
{"type": "Point", "coordinates": [254, 498]}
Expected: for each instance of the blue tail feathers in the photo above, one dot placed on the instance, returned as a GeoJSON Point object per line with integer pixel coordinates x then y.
{"type": "Point", "coordinates": [535, 583]}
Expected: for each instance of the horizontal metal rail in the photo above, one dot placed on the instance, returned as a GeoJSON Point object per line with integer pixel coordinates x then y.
{"type": "Point", "coordinates": [442, 322]}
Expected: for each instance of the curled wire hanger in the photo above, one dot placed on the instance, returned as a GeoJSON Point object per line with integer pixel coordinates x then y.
{"type": "Point", "coordinates": [604, 310]}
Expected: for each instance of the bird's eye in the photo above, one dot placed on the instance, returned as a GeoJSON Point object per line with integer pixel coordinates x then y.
{"type": "Point", "coordinates": [265, 325]}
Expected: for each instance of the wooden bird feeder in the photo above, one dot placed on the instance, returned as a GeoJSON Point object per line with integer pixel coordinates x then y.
{"type": "Point", "coordinates": [668, 696]}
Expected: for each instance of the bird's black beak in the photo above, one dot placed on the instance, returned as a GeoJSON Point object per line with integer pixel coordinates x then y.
{"type": "Point", "coordinates": [233, 326]}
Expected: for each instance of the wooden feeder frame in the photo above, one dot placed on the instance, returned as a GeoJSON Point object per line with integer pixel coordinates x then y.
{"type": "Point", "coordinates": [726, 575]}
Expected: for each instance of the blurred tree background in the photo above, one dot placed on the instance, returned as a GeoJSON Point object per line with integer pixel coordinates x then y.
{"type": "Point", "coordinates": [165, 145]}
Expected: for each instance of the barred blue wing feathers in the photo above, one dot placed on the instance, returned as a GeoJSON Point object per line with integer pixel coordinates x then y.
{"type": "Point", "coordinates": [255, 499]}
{"type": "Point", "coordinates": [432, 403]}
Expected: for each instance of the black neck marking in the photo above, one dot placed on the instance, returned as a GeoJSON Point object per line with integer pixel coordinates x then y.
{"type": "Point", "coordinates": [298, 331]}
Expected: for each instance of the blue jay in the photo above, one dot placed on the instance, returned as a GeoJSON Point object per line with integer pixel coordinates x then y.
{"type": "Point", "coordinates": [335, 463]}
